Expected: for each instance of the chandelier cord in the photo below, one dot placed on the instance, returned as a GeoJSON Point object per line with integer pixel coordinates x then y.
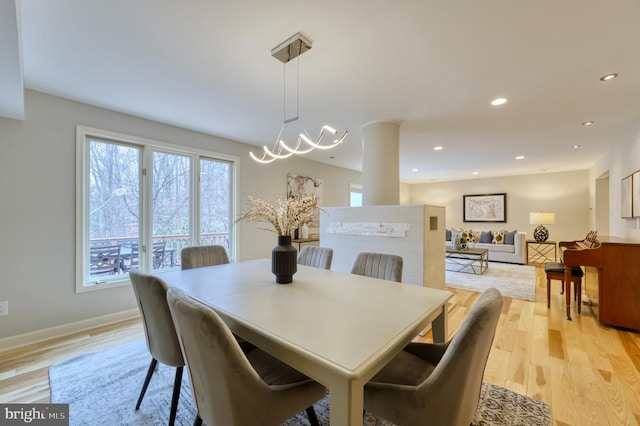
{"type": "Point", "coordinates": [286, 120]}
{"type": "Point", "coordinates": [297, 87]}
{"type": "Point", "coordinates": [284, 94]}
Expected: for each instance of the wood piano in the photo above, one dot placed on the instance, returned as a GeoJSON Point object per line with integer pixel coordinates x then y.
{"type": "Point", "coordinates": [618, 264]}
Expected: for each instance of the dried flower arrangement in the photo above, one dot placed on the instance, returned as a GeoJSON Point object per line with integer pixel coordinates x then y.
{"type": "Point", "coordinates": [285, 216]}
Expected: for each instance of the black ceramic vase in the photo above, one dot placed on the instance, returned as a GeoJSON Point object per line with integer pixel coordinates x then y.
{"type": "Point", "coordinates": [284, 260]}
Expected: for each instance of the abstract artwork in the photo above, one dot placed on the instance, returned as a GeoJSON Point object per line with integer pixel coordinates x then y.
{"type": "Point", "coordinates": [485, 208]}
{"type": "Point", "coordinates": [305, 186]}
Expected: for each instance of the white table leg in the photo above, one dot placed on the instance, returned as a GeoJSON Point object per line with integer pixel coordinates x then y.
{"type": "Point", "coordinates": [346, 400]}
{"type": "Point", "coordinates": [440, 325]}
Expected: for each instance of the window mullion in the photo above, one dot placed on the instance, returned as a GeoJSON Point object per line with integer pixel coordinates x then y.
{"type": "Point", "coordinates": [146, 205]}
{"type": "Point", "coordinates": [194, 237]}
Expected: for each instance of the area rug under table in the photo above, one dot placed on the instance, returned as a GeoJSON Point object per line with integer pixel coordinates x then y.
{"type": "Point", "coordinates": [515, 281]}
{"type": "Point", "coordinates": [102, 388]}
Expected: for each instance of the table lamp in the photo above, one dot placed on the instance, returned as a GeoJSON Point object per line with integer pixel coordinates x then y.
{"type": "Point", "coordinates": [541, 233]}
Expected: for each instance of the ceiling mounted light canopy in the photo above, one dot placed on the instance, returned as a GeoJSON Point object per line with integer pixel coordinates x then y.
{"type": "Point", "coordinates": [290, 49]}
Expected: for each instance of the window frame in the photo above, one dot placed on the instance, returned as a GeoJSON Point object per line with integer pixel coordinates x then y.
{"type": "Point", "coordinates": [147, 147]}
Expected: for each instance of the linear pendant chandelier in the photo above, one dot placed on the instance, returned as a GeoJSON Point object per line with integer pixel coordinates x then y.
{"type": "Point", "coordinates": [290, 49]}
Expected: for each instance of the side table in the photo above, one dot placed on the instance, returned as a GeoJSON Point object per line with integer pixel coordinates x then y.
{"type": "Point", "coordinates": [541, 251]}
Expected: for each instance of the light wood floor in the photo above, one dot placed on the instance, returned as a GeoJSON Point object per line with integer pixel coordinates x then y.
{"type": "Point", "coordinates": [588, 373]}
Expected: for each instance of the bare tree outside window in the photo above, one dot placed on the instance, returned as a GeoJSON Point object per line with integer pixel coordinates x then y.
{"type": "Point", "coordinates": [215, 202]}
{"type": "Point", "coordinates": [114, 182]}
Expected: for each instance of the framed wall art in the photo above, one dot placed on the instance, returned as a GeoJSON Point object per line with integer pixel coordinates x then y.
{"type": "Point", "coordinates": [626, 195]}
{"type": "Point", "coordinates": [635, 199]}
{"type": "Point", "coordinates": [485, 208]}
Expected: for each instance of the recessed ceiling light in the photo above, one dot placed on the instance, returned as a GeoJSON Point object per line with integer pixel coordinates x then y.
{"type": "Point", "coordinates": [498, 101]}
{"type": "Point", "coordinates": [587, 123]}
{"type": "Point", "coordinates": [575, 146]}
{"type": "Point", "coordinates": [520, 157]}
{"type": "Point", "coordinates": [437, 148]}
{"type": "Point", "coordinates": [608, 77]}
{"type": "Point", "coordinates": [414, 170]}
{"type": "Point", "coordinates": [475, 173]}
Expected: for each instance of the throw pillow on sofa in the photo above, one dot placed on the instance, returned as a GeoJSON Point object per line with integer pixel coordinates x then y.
{"type": "Point", "coordinates": [510, 237]}
{"type": "Point", "coordinates": [498, 237]}
{"type": "Point", "coordinates": [455, 235]}
{"type": "Point", "coordinates": [486, 237]}
{"type": "Point", "coordinates": [470, 236]}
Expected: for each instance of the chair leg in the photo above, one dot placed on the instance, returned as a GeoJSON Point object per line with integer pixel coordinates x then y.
{"type": "Point", "coordinates": [548, 292]}
{"type": "Point", "coordinates": [177, 384]}
{"type": "Point", "coordinates": [152, 368]}
{"type": "Point", "coordinates": [311, 414]}
{"type": "Point", "coordinates": [562, 292]}
{"type": "Point", "coordinates": [197, 421]}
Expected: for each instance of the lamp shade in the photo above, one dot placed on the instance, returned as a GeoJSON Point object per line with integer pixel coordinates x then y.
{"type": "Point", "coordinates": [542, 218]}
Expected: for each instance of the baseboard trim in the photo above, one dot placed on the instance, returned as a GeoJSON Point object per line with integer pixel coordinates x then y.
{"type": "Point", "coordinates": [38, 336]}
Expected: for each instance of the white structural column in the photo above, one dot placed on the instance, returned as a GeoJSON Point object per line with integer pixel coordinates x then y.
{"type": "Point", "coordinates": [380, 164]}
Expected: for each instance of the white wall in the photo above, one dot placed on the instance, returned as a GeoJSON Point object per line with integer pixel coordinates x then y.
{"type": "Point", "coordinates": [622, 160]}
{"type": "Point", "coordinates": [37, 207]}
{"type": "Point", "coordinates": [566, 194]}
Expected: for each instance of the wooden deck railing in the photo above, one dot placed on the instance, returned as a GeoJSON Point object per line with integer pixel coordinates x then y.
{"type": "Point", "coordinates": [174, 243]}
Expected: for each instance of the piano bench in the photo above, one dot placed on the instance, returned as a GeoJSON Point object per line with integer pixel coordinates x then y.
{"type": "Point", "coordinates": [555, 271]}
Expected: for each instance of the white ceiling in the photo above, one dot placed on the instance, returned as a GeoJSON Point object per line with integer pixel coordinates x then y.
{"type": "Point", "coordinates": [432, 66]}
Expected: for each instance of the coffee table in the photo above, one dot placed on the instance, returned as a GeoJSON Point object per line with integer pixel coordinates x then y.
{"type": "Point", "coordinates": [470, 261]}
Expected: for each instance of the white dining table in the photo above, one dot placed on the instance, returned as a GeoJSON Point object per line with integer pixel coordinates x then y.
{"type": "Point", "coordinates": [338, 328]}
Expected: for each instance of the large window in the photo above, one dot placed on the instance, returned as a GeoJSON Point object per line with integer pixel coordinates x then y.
{"type": "Point", "coordinates": [141, 202]}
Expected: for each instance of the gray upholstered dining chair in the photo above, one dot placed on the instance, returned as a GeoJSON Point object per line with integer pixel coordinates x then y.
{"type": "Point", "coordinates": [378, 265]}
{"type": "Point", "coordinates": [231, 387]}
{"type": "Point", "coordinates": [200, 256]}
{"type": "Point", "coordinates": [438, 383]}
{"type": "Point", "coordinates": [159, 331]}
{"type": "Point", "coordinates": [318, 257]}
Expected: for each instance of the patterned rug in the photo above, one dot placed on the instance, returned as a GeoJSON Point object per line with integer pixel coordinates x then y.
{"type": "Point", "coordinates": [102, 388]}
{"type": "Point", "coordinates": [515, 281]}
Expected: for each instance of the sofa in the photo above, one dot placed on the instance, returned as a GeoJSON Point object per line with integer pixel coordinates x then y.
{"type": "Point", "coordinates": [503, 246]}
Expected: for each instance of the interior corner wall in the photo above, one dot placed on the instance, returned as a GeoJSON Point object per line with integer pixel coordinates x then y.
{"type": "Point", "coordinates": [622, 160]}
{"type": "Point", "coordinates": [564, 193]}
{"type": "Point", "coordinates": [37, 212]}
